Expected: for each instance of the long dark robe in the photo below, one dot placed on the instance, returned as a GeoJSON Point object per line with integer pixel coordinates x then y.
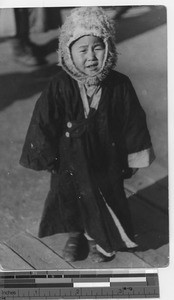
{"type": "Point", "coordinates": [88, 156]}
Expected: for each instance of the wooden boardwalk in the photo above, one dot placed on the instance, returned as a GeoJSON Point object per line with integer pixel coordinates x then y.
{"type": "Point", "coordinates": [149, 208]}
{"type": "Point", "coordinates": [26, 252]}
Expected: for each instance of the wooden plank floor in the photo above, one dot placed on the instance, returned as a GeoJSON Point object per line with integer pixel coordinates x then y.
{"type": "Point", "coordinates": [35, 253]}
{"type": "Point", "coordinates": [24, 252]}
{"type": "Point", "coordinates": [148, 199]}
{"type": "Point", "coordinates": [10, 260]}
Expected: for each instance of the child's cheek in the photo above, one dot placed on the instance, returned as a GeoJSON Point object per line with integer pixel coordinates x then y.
{"type": "Point", "coordinates": [82, 61]}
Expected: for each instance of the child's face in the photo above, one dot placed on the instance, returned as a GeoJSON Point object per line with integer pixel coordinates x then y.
{"type": "Point", "coordinates": [88, 54]}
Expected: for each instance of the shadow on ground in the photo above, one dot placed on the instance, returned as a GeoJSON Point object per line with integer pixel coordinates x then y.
{"type": "Point", "coordinates": [150, 219]}
{"type": "Point", "coordinates": [21, 85]}
{"type": "Point", "coordinates": [132, 26]}
{"type": "Point", "coordinates": [149, 209]}
{"type": "Point", "coordinates": [127, 27]}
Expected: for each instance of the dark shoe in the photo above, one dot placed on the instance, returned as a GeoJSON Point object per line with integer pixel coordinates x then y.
{"type": "Point", "coordinates": [70, 252]}
{"type": "Point", "coordinates": [94, 254]}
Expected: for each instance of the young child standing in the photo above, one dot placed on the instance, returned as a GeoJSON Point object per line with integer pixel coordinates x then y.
{"type": "Point", "coordinates": [89, 129]}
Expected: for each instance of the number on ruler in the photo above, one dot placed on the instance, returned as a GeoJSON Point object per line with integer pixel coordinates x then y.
{"type": "Point", "coordinates": [77, 292]}
{"type": "Point", "coordinates": [8, 293]}
{"type": "Point", "coordinates": [34, 293]}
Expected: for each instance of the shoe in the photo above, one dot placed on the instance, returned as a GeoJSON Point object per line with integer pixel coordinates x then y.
{"type": "Point", "coordinates": [94, 254]}
{"type": "Point", "coordinates": [70, 252]}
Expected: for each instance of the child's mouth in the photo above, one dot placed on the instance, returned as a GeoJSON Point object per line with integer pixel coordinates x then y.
{"type": "Point", "coordinates": [92, 67]}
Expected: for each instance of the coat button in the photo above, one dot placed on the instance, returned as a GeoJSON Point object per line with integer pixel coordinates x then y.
{"type": "Point", "coordinates": [67, 134]}
{"type": "Point", "coordinates": [69, 124]}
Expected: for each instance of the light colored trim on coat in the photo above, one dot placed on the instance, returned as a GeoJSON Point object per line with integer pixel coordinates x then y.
{"type": "Point", "coordinates": [125, 238]}
{"type": "Point", "coordinates": [123, 234]}
{"type": "Point", "coordinates": [108, 254]}
{"type": "Point", "coordinates": [141, 159]}
{"type": "Point", "coordinates": [95, 98]}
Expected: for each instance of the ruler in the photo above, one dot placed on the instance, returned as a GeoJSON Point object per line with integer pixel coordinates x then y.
{"type": "Point", "coordinates": [79, 284]}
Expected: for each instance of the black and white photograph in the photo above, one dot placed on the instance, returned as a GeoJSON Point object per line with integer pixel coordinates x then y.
{"type": "Point", "coordinates": [84, 137]}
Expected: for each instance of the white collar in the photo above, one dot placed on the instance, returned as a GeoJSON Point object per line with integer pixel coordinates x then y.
{"type": "Point", "coordinates": [86, 94]}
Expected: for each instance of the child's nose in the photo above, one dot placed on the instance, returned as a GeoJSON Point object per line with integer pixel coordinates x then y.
{"type": "Point", "coordinates": [91, 54]}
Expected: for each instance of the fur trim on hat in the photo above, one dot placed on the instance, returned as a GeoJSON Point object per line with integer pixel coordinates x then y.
{"type": "Point", "coordinates": [87, 21]}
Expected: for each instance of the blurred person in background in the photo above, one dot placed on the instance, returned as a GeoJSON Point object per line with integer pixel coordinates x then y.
{"type": "Point", "coordinates": [24, 50]}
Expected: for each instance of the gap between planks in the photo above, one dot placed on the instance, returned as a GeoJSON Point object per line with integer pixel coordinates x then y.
{"type": "Point", "coordinates": [38, 255]}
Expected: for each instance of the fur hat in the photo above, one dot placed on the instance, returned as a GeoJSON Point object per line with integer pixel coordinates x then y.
{"type": "Point", "coordinates": [87, 21]}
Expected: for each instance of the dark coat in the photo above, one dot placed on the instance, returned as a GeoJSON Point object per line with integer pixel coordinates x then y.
{"type": "Point", "coordinates": [88, 155]}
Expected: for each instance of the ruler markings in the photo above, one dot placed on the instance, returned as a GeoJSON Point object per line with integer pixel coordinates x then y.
{"type": "Point", "coordinates": [127, 284]}
{"type": "Point", "coordinates": [86, 285]}
{"type": "Point", "coordinates": [17, 281]}
{"type": "Point", "coordinates": [83, 279]}
{"type": "Point", "coordinates": [30, 286]}
{"type": "Point", "coordinates": [65, 279]}
{"type": "Point", "coordinates": [30, 276]}
{"type": "Point", "coordinates": [65, 273]}
{"type": "Point", "coordinates": [55, 274]}
{"type": "Point", "coordinates": [70, 284]}
{"type": "Point", "coordinates": [91, 284]}
{"type": "Point", "coordinates": [93, 294]}
{"type": "Point", "coordinates": [53, 280]}
{"type": "Point", "coordinates": [129, 279]}
{"type": "Point", "coordinates": [75, 279]}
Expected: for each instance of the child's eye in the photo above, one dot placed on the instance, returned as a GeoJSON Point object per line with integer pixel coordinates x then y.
{"type": "Point", "coordinates": [82, 50]}
{"type": "Point", "coordinates": [100, 47]}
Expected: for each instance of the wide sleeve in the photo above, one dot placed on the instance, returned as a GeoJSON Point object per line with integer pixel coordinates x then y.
{"type": "Point", "coordinates": [136, 135]}
{"type": "Point", "coordinates": [141, 159]}
{"type": "Point", "coordinates": [41, 146]}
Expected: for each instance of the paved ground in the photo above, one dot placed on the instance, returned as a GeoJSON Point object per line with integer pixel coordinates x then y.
{"type": "Point", "coordinates": [142, 56]}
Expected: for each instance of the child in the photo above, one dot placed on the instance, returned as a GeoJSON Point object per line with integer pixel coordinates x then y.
{"type": "Point", "coordinates": [89, 129]}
